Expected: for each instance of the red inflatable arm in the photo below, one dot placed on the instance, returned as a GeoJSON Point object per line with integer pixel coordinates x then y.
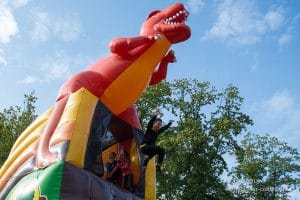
{"type": "Point", "coordinates": [125, 46]}
{"type": "Point", "coordinates": [161, 72]}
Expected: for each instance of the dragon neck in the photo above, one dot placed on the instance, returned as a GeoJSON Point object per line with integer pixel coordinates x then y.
{"type": "Point", "coordinates": [133, 81]}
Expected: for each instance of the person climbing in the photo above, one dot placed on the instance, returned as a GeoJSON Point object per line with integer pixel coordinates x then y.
{"type": "Point", "coordinates": [148, 147]}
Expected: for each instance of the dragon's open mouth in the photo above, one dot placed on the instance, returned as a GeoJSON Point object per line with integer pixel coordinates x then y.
{"type": "Point", "coordinates": [170, 22]}
{"type": "Point", "coordinates": [177, 18]}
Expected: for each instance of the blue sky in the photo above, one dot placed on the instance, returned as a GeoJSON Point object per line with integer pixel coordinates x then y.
{"type": "Point", "coordinates": [253, 45]}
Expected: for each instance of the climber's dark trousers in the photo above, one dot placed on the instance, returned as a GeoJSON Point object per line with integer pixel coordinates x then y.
{"type": "Point", "coordinates": [152, 150]}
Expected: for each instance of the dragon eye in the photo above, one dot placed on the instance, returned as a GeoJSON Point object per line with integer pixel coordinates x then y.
{"type": "Point", "coordinates": [153, 13]}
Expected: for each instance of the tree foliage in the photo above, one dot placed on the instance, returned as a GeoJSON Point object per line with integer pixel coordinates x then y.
{"type": "Point", "coordinates": [154, 96]}
{"type": "Point", "coordinates": [13, 121]}
{"type": "Point", "coordinates": [267, 169]}
{"type": "Point", "coordinates": [207, 123]}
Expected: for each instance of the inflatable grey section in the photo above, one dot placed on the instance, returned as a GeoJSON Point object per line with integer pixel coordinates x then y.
{"type": "Point", "coordinates": [78, 184]}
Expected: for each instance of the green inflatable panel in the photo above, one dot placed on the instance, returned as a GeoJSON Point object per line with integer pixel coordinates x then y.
{"type": "Point", "coordinates": [44, 184]}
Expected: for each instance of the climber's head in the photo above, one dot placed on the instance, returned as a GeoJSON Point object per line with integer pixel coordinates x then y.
{"type": "Point", "coordinates": [157, 124]}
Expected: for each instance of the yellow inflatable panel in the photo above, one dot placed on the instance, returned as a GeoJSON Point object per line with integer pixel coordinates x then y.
{"type": "Point", "coordinates": [150, 181]}
{"type": "Point", "coordinates": [84, 104]}
{"type": "Point", "coordinates": [135, 161]}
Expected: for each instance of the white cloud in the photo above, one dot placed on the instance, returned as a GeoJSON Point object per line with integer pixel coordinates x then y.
{"type": "Point", "coordinates": [280, 114]}
{"type": "Point", "coordinates": [7, 23]}
{"type": "Point", "coordinates": [19, 3]}
{"type": "Point", "coordinates": [240, 22]}
{"type": "Point", "coordinates": [195, 5]}
{"type": "Point", "coordinates": [2, 58]}
{"type": "Point", "coordinates": [290, 32]}
{"type": "Point", "coordinates": [41, 29]}
{"type": "Point", "coordinates": [53, 68]}
{"type": "Point", "coordinates": [57, 67]}
{"type": "Point", "coordinates": [66, 28]}
{"type": "Point", "coordinates": [286, 37]}
{"type": "Point", "coordinates": [278, 104]}
{"type": "Point", "coordinates": [254, 67]}
{"type": "Point", "coordinates": [274, 18]}
{"type": "Point", "coordinates": [29, 80]}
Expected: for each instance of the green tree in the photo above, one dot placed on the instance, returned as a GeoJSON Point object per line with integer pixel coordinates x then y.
{"type": "Point", "coordinates": [207, 123]}
{"type": "Point", "coordinates": [13, 121]}
{"type": "Point", "coordinates": [267, 169]}
{"type": "Point", "coordinates": [155, 96]}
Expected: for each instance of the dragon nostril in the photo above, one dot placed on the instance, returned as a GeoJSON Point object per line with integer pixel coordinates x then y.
{"type": "Point", "coordinates": [187, 13]}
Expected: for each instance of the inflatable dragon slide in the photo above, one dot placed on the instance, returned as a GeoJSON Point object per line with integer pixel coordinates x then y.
{"type": "Point", "coordinates": [61, 154]}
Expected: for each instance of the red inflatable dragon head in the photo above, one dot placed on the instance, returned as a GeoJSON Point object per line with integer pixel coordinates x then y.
{"type": "Point", "coordinates": [170, 22]}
